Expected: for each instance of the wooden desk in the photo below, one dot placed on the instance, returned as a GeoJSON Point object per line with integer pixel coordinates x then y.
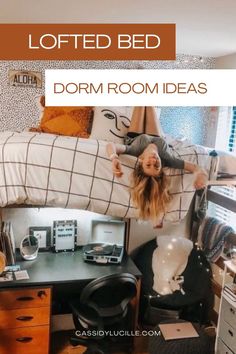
{"type": "Point", "coordinates": [50, 274]}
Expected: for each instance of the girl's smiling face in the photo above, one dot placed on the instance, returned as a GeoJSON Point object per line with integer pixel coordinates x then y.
{"type": "Point", "coordinates": [151, 161]}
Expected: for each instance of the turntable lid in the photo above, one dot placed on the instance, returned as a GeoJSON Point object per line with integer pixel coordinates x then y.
{"type": "Point", "coordinates": [108, 231]}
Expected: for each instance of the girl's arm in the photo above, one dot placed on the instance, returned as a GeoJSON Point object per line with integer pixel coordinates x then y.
{"type": "Point", "coordinates": [113, 151]}
{"type": "Point", "coordinates": [200, 174]}
{"type": "Point", "coordinates": [116, 149]}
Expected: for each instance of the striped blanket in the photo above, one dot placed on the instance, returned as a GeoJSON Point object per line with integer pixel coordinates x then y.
{"type": "Point", "coordinates": [211, 237]}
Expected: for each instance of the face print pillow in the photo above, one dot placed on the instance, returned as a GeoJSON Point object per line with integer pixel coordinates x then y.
{"type": "Point", "coordinates": [111, 123]}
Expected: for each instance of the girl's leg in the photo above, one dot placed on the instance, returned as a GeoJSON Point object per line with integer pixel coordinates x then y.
{"type": "Point", "coordinates": [152, 122]}
{"type": "Point", "coordinates": [137, 120]}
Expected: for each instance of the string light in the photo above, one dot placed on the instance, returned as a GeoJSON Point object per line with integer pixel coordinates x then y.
{"type": "Point", "coordinates": [170, 246]}
{"type": "Point", "coordinates": [201, 264]}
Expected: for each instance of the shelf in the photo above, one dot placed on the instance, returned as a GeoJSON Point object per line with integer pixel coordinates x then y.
{"type": "Point", "coordinates": [221, 200]}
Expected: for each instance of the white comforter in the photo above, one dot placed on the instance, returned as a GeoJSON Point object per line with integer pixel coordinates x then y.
{"type": "Point", "coordinates": [67, 172]}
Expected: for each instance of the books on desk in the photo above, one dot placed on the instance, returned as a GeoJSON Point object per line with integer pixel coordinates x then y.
{"type": "Point", "coordinates": [230, 291]}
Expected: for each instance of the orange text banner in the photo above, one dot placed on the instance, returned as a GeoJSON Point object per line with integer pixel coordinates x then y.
{"type": "Point", "coordinates": [87, 42]}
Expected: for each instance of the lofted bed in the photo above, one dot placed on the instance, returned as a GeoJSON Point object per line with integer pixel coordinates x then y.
{"type": "Point", "coordinates": [48, 170]}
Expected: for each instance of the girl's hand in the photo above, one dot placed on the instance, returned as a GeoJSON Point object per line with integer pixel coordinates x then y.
{"type": "Point", "coordinates": [117, 167]}
{"type": "Point", "coordinates": [200, 179]}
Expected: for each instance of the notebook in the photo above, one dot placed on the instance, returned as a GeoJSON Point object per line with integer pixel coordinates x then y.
{"type": "Point", "coordinates": [178, 330]}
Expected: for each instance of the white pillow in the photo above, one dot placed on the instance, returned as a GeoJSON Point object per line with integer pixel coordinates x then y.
{"type": "Point", "coordinates": [111, 123]}
{"type": "Point", "coordinates": [168, 261]}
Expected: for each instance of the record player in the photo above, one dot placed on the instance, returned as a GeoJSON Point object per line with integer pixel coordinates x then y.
{"type": "Point", "coordinates": [107, 242]}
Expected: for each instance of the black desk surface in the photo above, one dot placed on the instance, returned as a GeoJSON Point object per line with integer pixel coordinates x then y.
{"type": "Point", "coordinates": [67, 267]}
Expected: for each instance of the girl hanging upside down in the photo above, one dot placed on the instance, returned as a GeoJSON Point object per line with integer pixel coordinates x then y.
{"type": "Point", "coordinates": [149, 184]}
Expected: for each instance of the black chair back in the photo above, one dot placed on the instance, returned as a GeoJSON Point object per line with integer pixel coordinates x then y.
{"type": "Point", "coordinates": [109, 295]}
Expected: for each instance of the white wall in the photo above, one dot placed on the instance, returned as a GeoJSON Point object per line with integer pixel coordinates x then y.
{"type": "Point", "coordinates": [140, 232]}
{"type": "Point", "coordinates": [23, 218]}
{"type": "Point", "coordinates": [226, 62]}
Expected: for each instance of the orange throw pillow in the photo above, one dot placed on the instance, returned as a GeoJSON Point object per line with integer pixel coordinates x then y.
{"type": "Point", "coordinates": [71, 121]}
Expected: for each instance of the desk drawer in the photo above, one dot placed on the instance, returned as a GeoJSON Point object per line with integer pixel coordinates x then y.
{"type": "Point", "coordinates": [228, 313]}
{"type": "Point", "coordinates": [222, 349]}
{"type": "Point", "coordinates": [31, 340]}
{"type": "Point", "coordinates": [24, 317]}
{"type": "Point", "coordinates": [228, 335]}
{"type": "Point", "coordinates": [23, 298]}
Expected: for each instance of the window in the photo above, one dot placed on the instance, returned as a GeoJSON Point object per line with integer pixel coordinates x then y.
{"type": "Point", "coordinates": [226, 128]}
{"type": "Point", "coordinates": [221, 213]}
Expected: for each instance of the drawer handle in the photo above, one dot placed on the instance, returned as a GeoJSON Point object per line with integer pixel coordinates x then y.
{"type": "Point", "coordinates": [25, 318]}
{"type": "Point", "coordinates": [232, 311]}
{"type": "Point", "coordinates": [25, 298]}
{"type": "Point", "coordinates": [231, 333]}
{"type": "Point", "coordinates": [42, 294]}
{"type": "Point", "coordinates": [24, 339]}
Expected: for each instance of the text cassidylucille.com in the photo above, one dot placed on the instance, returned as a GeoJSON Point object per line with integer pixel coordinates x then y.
{"type": "Point", "coordinates": [126, 88]}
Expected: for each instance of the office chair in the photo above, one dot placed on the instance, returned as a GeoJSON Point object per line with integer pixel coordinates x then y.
{"type": "Point", "coordinates": [193, 303]}
{"type": "Point", "coordinates": [101, 311]}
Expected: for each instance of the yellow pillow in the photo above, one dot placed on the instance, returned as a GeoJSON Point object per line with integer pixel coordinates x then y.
{"type": "Point", "coordinates": [71, 121]}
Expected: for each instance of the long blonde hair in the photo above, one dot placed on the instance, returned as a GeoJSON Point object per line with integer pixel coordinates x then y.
{"type": "Point", "coordinates": [150, 194]}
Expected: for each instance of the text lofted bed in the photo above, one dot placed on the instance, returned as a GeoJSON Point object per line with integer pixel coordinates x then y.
{"type": "Point", "coordinates": [71, 172]}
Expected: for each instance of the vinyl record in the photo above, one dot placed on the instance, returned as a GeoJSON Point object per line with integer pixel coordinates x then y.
{"type": "Point", "coordinates": [99, 249]}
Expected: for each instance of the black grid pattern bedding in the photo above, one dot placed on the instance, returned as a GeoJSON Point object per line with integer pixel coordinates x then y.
{"type": "Point", "coordinates": [67, 172]}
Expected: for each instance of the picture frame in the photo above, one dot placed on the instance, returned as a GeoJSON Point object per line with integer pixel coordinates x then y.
{"type": "Point", "coordinates": [64, 235]}
{"type": "Point", "coordinates": [43, 233]}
